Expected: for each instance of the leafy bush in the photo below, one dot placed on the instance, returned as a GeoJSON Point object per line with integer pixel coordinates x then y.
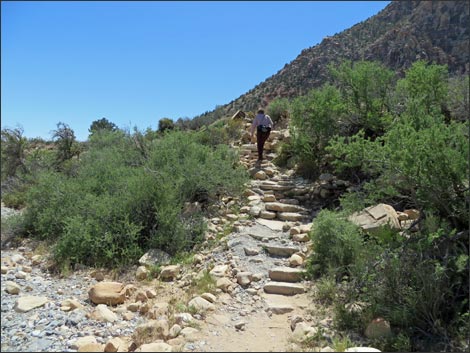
{"type": "Point", "coordinates": [279, 111]}
{"type": "Point", "coordinates": [128, 195]}
{"type": "Point", "coordinates": [12, 152]}
{"type": "Point", "coordinates": [101, 124]}
{"type": "Point", "coordinates": [337, 243]}
{"type": "Point", "coordinates": [315, 120]}
{"type": "Point", "coordinates": [365, 87]}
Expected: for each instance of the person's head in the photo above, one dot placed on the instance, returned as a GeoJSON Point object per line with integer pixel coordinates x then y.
{"type": "Point", "coordinates": [260, 111]}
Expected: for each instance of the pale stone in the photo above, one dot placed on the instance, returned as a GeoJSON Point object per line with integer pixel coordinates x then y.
{"type": "Point", "coordinates": [27, 303]}
{"type": "Point", "coordinates": [267, 214]}
{"type": "Point", "coordinates": [260, 175]}
{"type": "Point", "coordinates": [198, 259]}
{"type": "Point", "coordinates": [36, 260]}
{"type": "Point", "coordinates": [301, 238]}
{"type": "Point", "coordinates": [82, 341]}
{"type": "Point", "coordinates": [128, 316]}
{"type": "Point", "coordinates": [109, 293]}
{"type": "Point", "coordinates": [189, 333]}
{"type": "Point", "coordinates": [21, 275]}
{"type": "Point", "coordinates": [12, 288]}
{"type": "Point", "coordinates": [201, 305]}
{"type": "Point", "coordinates": [155, 347]}
{"type": "Point", "coordinates": [296, 260]}
{"type": "Point", "coordinates": [26, 269]}
{"type": "Point", "coordinates": [269, 198]}
{"type": "Point", "coordinates": [174, 331]}
{"type": "Point", "coordinates": [255, 211]}
{"type": "Point", "coordinates": [169, 273]}
{"type": "Point", "coordinates": [134, 307]}
{"type": "Point", "coordinates": [152, 330]}
{"type": "Point", "coordinates": [183, 318]}
{"type": "Point", "coordinates": [282, 207]}
{"type": "Point", "coordinates": [209, 297]}
{"type": "Point", "coordinates": [150, 293]}
{"type": "Point", "coordinates": [283, 288]}
{"type": "Point", "coordinates": [155, 257]}
{"type": "Point", "coordinates": [251, 251]}
{"type": "Point", "coordinates": [224, 284]}
{"type": "Point", "coordinates": [219, 271]}
{"type": "Point", "coordinates": [286, 274]}
{"type": "Point", "coordinates": [284, 251]}
{"type": "Point", "coordinates": [17, 258]}
{"type": "Point", "coordinates": [141, 273]}
{"type": "Point", "coordinates": [70, 304]}
{"type": "Point", "coordinates": [116, 344]}
{"type": "Point", "coordinates": [244, 278]}
{"type": "Point", "coordinates": [102, 313]}
{"type": "Point", "coordinates": [4, 269]}
{"type": "Point", "coordinates": [289, 216]}
{"type": "Point", "coordinates": [303, 331]}
{"type": "Point", "coordinates": [92, 347]}
{"type": "Point", "coordinates": [280, 309]}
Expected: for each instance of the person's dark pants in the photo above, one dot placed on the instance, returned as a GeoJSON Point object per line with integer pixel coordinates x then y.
{"type": "Point", "coordinates": [261, 138]}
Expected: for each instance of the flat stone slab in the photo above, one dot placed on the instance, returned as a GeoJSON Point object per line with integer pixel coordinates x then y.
{"type": "Point", "coordinates": [286, 274]}
{"type": "Point", "coordinates": [27, 303]}
{"type": "Point", "coordinates": [280, 309]}
{"type": "Point", "coordinates": [282, 207]}
{"type": "Point", "coordinates": [273, 225]}
{"type": "Point", "coordinates": [284, 251]}
{"type": "Point", "coordinates": [284, 288]}
{"type": "Point", "coordinates": [290, 216]}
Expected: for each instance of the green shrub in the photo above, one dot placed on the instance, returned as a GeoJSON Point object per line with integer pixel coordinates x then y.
{"type": "Point", "coordinates": [279, 111]}
{"type": "Point", "coordinates": [337, 244]}
{"type": "Point", "coordinates": [314, 121]}
{"type": "Point", "coordinates": [128, 195]}
{"type": "Point", "coordinates": [365, 87]}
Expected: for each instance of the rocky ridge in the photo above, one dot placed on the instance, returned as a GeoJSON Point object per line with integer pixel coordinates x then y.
{"type": "Point", "coordinates": [400, 34]}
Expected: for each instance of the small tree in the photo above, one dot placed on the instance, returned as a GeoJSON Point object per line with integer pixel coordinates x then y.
{"type": "Point", "coordinates": [102, 124]}
{"type": "Point", "coordinates": [165, 124]}
{"type": "Point", "coordinates": [13, 151]}
{"type": "Point", "coordinates": [64, 138]}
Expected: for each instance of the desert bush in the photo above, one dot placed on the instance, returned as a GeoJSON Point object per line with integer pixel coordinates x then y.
{"type": "Point", "coordinates": [315, 120]}
{"type": "Point", "coordinates": [337, 243]}
{"type": "Point", "coordinates": [12, 151]}
{"type": "Point", "coordinates": [366, 88]}
{"type": "Point", "coordinates": [127, 197]}
{"type": "Point", "coordinates": [279, 111]}
{"type": "Point", "coordinates": [101, 124]}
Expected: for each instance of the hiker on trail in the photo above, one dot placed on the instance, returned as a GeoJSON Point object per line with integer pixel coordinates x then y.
{"type": "Point", "coordinates": [263, 125]}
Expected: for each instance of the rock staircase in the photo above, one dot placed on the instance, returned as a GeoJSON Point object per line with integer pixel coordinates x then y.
{"type": "Point", "coordinates": [276, 200]}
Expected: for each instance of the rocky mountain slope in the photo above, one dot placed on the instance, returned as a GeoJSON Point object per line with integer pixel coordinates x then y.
{"type": "Point", "coordinates": [403, 32]}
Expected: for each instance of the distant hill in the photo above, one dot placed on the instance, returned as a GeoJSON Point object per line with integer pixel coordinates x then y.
{"type": "Point", "coordinates": [400, 34]}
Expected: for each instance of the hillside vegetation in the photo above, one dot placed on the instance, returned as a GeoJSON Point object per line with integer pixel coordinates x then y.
{"type": "Point", "coordinates": [402, 141]}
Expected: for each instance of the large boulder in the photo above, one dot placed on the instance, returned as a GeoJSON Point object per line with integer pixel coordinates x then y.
{"type": "Point", "coordinates": [155, 257]}
{"type": "Point", "coordinates": [373, 218]}
{"type": "Point", "coordinates": [109, 293]}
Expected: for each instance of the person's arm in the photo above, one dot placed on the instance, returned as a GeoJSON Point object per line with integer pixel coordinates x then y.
{"type": "Point", "coordinates": [253, 126]}
{"type": "Point", "coordinates": [271, 124]}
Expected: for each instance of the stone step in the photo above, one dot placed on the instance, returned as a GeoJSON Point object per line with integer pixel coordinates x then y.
{"type": "Point", "coordinates": [271, 185]}
{"type": "Point", "coordinates": [283, 251]}
{"type": "Point", "coordinates": [290, 216]}
{"type": "Point", "coordinates": [283, 207]}
{"type": "Point", "coordinates": [286, 274]}
{"type": "Point", "coordinates": [284, 288]}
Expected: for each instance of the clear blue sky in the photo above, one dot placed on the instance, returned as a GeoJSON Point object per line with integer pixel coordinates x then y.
{"type": "Point", "coordinates": [136, 62]}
